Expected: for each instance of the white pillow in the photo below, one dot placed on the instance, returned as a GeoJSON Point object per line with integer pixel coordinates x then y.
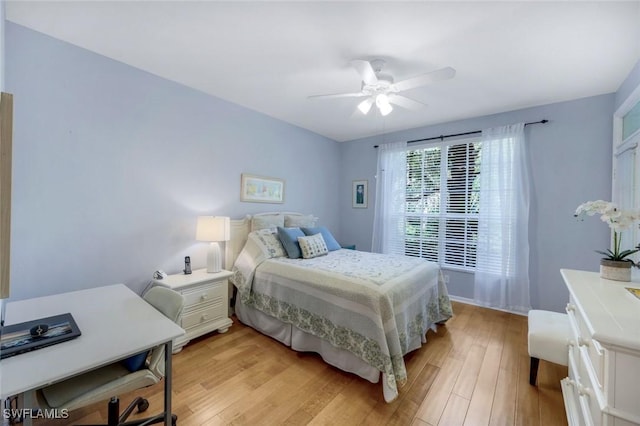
{"type": "Point", "coordinates": [267, 221]}
{"type": "Point", "coordinates": [269, 242]}
{"type": "Point", "coordinates": [299, 221]}
{"type": "Point", "coordinates": [312, 246]}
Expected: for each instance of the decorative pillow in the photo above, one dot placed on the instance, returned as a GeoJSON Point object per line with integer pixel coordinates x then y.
{"type": "Point", "coordinates": [267, 221]}
{"type": "Point", "coordinates": [312, 246]}
{"type": "Point", "coordinates": [271, 245]}
{"type": "Point", "coordinates": [289, 239]}
{"type": "Point", "coordinates": [136, 362]}
{"type": "Point", "coordinates": [291, 221]}
{"type": "Point", "coordinates": [331, 242]}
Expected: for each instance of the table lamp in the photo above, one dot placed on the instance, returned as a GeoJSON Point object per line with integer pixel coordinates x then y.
{"type": "Point", "coordinates": [213, 229]}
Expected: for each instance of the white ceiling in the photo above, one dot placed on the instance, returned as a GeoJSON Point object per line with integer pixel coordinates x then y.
{"type": "Point", "coordinates": [269, 56]}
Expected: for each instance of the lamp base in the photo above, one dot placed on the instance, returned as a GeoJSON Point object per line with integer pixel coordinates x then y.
{"type": "Point", "coordinates": [214, 258]}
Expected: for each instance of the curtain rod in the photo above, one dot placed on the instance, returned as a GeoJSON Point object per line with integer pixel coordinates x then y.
{"type": "Point", "coordinates": [441, 137]}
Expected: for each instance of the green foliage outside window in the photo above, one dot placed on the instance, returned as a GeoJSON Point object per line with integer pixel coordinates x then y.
{"type": "Point", "coordinates": [442, 203]}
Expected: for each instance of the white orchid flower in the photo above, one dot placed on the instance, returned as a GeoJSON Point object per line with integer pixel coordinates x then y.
{"type": "Point", "coordinates": [617, 219]}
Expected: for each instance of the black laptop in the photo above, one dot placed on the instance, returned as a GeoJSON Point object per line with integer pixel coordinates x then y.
{"type": "Point", "coordinates": [31, 335]}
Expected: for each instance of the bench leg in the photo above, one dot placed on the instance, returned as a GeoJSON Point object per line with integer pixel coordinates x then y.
{"type": "Point", "coordinates": [533, 371]}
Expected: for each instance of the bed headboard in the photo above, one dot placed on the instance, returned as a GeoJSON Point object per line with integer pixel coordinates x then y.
{"type": "Point", "coordinates": [240, 229]}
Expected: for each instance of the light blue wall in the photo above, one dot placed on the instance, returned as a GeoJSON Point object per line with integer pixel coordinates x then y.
{"type": "Point", "coordinates": [2, 21]}
{"type": "Point", "coordinates": [570, 164]}
{"type": "Point", "coordinates": [112, 165]}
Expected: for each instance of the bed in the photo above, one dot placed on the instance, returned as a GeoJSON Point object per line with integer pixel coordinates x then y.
{"type": "Point", "coordinates": [362, 312]}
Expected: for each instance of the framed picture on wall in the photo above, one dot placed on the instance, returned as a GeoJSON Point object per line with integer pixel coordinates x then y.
{"type": "Point", "coordinates": [359, 195]}
{"type": "Point", "coordinates": [260, 189]}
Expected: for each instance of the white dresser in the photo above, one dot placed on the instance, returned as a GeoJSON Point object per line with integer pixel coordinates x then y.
{"type": "Point", "coordinates": [603, 387]}
{"type": "Point", "coordinates": [206, 303]}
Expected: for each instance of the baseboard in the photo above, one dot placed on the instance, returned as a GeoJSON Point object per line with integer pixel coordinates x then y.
{"type": "Point", "coordinates": [474, 303]}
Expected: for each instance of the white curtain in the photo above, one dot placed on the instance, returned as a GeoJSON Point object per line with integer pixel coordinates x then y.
{"type": "Point", "coordinates": [391, 184]}
{"type": "Point", "coordinates": [624, 183]}
{"type": "Point", "coordinates": [502, 261]}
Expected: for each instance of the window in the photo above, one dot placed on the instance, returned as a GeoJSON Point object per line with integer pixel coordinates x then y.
{"type": "Point", "coordinates": [626, 163]}
{"type": "Point", "coordinates": [631, 122]}
{"type": "Point", "coordinates": [463, 204]}
{"type": "Point", "coordinates": [442, 201]}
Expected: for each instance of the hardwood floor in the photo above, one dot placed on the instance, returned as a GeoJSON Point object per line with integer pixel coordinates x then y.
{"type": "Point", "coordinates": [473, 371]}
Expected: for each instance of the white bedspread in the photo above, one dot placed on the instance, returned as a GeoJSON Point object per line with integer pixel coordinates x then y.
{"type": "Point", "coordinates": [376, 306]}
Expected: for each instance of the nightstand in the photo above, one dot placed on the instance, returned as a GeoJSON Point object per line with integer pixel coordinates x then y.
{"type": "Point", "coordinates": [206, 303]}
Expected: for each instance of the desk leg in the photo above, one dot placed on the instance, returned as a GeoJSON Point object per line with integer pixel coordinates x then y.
{"type": "Point", "coordinates": [168, 349]}
{"type": "Point", "coordinates": [3, 311]}
{"type": "Point", "coordinates": [28, 401]}
{"type": "Point", "coordinates": [6, 405]}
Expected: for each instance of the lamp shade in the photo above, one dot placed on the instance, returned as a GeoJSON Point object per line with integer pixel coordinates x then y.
{"type": "Point", "coordinates": [365, 105]}
{"type": "Point", "coordinates": [382, 102]}
{"type": "Point", "coordinates": [213, 228]}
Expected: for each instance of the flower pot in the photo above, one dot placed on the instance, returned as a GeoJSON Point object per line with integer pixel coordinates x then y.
{"type": "Point", "coordinates": [615, 270]}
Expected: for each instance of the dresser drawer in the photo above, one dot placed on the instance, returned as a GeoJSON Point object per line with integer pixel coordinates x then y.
{"type": "Point", "coordinates": [204, 293]}
{"type": "Point", "coordinates": [594, 394]}
{"type": "Point", "coordinates": [584, 395]}
{"type": "Point", "coordinates": [571, 402]}
{"type": "Point", "coordinates": [594, 351]}
{"type": "Point", "coordinates": [210, 313]}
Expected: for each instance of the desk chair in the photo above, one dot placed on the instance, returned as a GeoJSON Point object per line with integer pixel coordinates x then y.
{"type": "Point", "coordinates": [114, 379]}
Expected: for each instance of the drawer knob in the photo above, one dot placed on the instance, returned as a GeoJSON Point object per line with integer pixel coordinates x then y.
{"type": "Point", "coordinates": [583, 391]}
{"type": "Point", "coordinates": [205, 317]}
{"type": "Point", "coordinates": [204, 297]}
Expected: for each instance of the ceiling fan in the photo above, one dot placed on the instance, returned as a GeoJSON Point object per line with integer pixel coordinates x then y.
{"type": "Point", "coordinates": [381, 90]}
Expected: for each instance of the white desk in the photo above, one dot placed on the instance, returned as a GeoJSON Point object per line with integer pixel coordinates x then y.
{"type": "Point", "coordinates": [115, 323]}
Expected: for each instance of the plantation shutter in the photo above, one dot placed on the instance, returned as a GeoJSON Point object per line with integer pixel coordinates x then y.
{"type": "Point", "coordinates": [442, 203]}
{"type": "Point", "coordinates": [423, 203]}
{"type": "Point", "coordinates": [461, 223]}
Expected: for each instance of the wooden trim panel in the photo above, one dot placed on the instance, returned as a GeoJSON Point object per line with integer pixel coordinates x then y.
{"type": "Point", "coordinates": [6, 135]}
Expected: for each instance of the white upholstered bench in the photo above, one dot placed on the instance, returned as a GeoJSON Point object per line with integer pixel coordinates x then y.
{"type": "Point", "coordinates": [548, 338]}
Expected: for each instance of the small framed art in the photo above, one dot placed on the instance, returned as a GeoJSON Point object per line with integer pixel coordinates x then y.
{"type": "Point", "coordinates": [359, 194]}
{"type": "Point", "coordinates": [260, 189]}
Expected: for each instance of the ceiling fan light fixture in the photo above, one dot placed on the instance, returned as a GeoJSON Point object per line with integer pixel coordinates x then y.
{"type": "Point", "coordinates": [365, 106]}
{"type": "Point", "coordinates": [383, 90]}
{"type": "Point", "coordinates": [382, 102]}
{"type": "Point", "coordinates": [382, 99]}
{"type": "Point", "coordinates": [385, 109]}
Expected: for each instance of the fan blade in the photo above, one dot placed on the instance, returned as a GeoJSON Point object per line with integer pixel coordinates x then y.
{"type": "Point", "coordinates": [338, 95]}
{"type": "Point", "coordinates": [421, 80]}
{"type": "Point", "coordinates": [405, 102]}
{"type": "Point", "coordinates": [365, 70]}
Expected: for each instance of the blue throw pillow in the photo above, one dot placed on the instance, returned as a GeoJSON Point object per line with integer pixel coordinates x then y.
{"type": "Point", "coordinates": [331, 242]}
{"type": "Point", "coordinates": [289, 239]}
{"type": "Point", "coordinates": [136, 362]}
